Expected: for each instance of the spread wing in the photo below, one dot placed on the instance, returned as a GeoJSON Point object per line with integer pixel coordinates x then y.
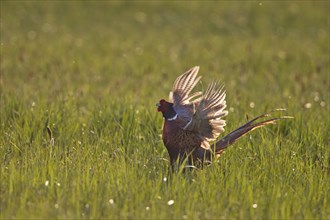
{"type": "Point", "coordinates": [202, 112]}
{"type": "Point", "coordinates": [183, 102]}
{"type": "Point", "coordinates": [207, 120]}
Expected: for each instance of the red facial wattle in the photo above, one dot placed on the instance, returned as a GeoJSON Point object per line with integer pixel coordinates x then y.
{"type": "Point", "coordinates": [158, 105]}
{"type": "Point", "coordinates": [161, 105]}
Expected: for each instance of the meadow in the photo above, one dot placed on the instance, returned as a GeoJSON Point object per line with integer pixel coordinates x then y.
{"type": "Point", "coordinates": [80, 134]}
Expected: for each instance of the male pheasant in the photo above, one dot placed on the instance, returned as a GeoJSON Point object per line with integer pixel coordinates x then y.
{"type": "Point", "coordinates": [192, 122]}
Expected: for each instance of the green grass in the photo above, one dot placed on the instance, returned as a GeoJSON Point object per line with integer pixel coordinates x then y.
{"type": "Point", "coordinates": [93, 72]}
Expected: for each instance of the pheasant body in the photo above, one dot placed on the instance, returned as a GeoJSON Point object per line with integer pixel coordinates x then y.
{"type": "Point", "coordinates": [179, 143]}
{"type": "Point", "coordinates": [192, 122]}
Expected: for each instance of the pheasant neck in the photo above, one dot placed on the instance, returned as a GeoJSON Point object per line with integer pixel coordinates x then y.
{"type": "Point", "coordinates": [170, 114]}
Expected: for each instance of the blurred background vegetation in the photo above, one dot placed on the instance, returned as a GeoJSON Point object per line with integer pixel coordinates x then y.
{"type": "Point", "coordinates": [93, 70]}
{"type": "Point", "coordinates": [136, 49]}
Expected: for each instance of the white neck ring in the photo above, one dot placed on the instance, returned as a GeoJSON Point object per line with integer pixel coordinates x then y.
{"type": "Point", "coordinates": [173, 118]}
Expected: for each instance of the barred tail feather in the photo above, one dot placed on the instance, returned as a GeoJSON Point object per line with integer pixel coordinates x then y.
{"type": "Point", "coordinates": [232, 137]}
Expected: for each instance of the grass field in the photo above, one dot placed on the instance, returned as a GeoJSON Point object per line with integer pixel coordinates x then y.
{"type": "Point", "coordinates": [93, 71]}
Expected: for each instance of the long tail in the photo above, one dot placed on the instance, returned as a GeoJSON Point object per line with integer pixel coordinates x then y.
{"type": "Point", "coordinates": [241, 131]}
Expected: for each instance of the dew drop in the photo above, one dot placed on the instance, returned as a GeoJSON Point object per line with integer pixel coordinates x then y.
{"type": "Point", "coordinates": [170, 202]}
{"type": "Point", "coordinates": [308, 105]}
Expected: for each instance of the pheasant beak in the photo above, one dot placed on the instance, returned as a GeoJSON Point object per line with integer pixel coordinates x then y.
{"type": "Point", "coordinates": [158, 106]}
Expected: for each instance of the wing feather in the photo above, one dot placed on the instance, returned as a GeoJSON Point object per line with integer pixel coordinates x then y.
{"type": "Point", "coordinates": [207, 120]}
{"type": "Point", "coordinates": [183, 102]}
{"type": "Point", "coordinates": [203, 113]}
{"type": "Point", "coordinates": [183, 85]}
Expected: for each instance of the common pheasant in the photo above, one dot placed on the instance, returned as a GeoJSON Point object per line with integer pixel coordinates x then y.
{"type": "Point", "coordinates": [193, 121]}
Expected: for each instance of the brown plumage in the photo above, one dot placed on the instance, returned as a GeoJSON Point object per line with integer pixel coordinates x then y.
{"type": "Point", "coordinates": [194, 121]}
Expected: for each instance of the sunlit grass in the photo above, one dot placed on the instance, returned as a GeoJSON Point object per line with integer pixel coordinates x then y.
{"type": "Point", "coordinates": [92, 73]}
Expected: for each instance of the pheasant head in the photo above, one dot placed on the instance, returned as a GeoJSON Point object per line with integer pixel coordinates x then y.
{"type": "Point", "coordinates": [166, 108]}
